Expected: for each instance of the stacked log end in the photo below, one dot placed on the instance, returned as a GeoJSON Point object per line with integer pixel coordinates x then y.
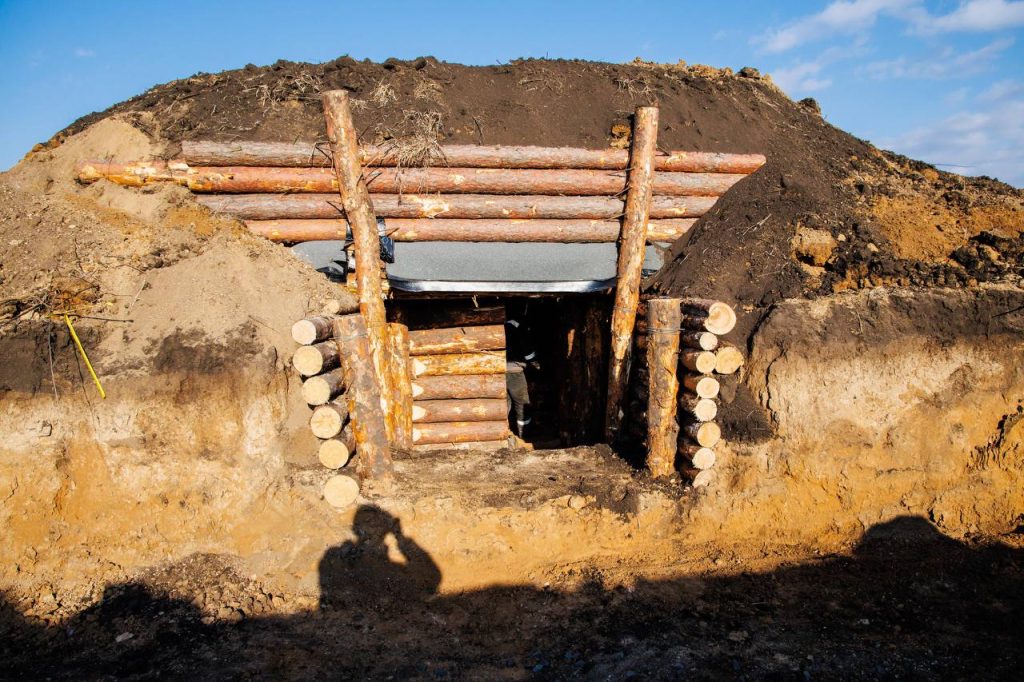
{"type": "Point", "coordinates": [317, 361]}
{"type": "Point", "coordinates": [706, 355]}
{"type": "Point", "coordinates": [703, 356]}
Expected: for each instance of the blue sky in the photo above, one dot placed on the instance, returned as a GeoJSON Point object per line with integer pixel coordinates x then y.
{"type": "Point", "coordinates": [940, 80]}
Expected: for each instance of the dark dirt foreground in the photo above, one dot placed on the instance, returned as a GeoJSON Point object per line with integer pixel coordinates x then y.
{"type": "Point", "coordinates": [908, 603]}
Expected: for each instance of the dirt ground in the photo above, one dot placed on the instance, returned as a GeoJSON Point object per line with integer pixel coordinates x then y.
{"type": "Point", "coordinates": [865, 520]}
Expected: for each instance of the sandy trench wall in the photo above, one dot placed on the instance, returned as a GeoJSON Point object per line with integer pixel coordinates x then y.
{"type": "Point", "coordinates": [885, 402]}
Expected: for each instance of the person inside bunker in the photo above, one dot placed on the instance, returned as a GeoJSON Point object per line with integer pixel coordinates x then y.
{"type": "Point", "coordinates": [520, 355]}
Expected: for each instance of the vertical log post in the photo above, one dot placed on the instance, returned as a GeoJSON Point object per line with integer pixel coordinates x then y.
{"type": "Point", "coordinates": [359, 211]}
{"type": "Point", "coordinates": [373, 465]}
{"type": "Point", "coordinates": [632, 243]}
{"type": "Point", "coordinates": [401, 383]}
{"type": "Point", "coordinates": [663, 316]}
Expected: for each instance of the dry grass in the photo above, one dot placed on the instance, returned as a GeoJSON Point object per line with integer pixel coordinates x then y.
{"type": "Point", "coordinates": [383, 94]}
{"type": "Point", "coordinates": [416, 141]}
{"type": "Point", "coordinates": [428, 90]}
{"type": "Point", "coordinates": [304, 87]}
{"type": "Point", "coordinates": [638, 87]}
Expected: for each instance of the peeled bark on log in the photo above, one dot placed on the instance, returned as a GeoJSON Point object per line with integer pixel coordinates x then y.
{"type": "Point", "coordinates": [313, 329]}
{"type": "Point", "coordinates": [631, 257]}
{"type": "Point", "coordinates": [249, 179]}
{"type": "Point", "coordinates": [365, 404]}
{"type": "Point", "coordinates": [459, 387]}
{"type": "Point", "coordinates": [662, 349]}
{"type": "Point", "coordinates": [301, 154]}
{"type": "Point", "coordinates": [705, 434]}
{"type": "Point", "coordinates": [320, 389]}
{"type": "Point", "coordinates": [341, 491]}
{"type": "Point", "coordinates": [697, 457]}
{"type": "Point", "coordinates": [469, 230]}
{"type": "Point", "coordinates": [458, 364]}
{"type": "Point", "coordinates": [451, 206]}
{"type": "Point", "coordinates": [401, 383]}
{"type": "Point", "coordinates": [312, 360]}
{"type": "Point", "coordinates": [714, 316]}
{"type": "Point", "coordinates": [459, 432]}
{"type": "Point", "coordinates": [699, 340]}
{"type": "Point", "coordinates": [728, 359]}
{"type": "Point", "coordinates": [334, 453]}
{"type": "Point", "coordinates": [700, 361]}
{"type": "Point", "coordinates": [348, 180]}
{"type": "Point", "coordinates": [328, 420]}
{"type": "Point", "coordinates": [702, 385]}
{"type": "Point", "coordinates": [467, 410]}
{"type": "Point", "coordinates": [697, 408]}
{"type": "Point", "coordinates": [456, 340]}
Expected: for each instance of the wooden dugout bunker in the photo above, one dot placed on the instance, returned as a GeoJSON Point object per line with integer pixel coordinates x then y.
{"type": "Point", "coordinates": [474, 226]}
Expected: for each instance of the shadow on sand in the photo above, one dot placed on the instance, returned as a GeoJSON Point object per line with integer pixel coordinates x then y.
{"type": "Point", "coordinates": [909, 603]}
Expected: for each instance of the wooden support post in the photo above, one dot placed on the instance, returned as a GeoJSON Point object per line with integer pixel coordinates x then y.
{"type": "Point", "coordinates": [662, 360]}
{"type": "Point", "coordinates": [631, 258]}
{"type": "Point", "coordinates": [365, 404]}
{"type": "Point", "coordinates": [401, 383]}
{"type": "Point", "coordinates": [359, 211]}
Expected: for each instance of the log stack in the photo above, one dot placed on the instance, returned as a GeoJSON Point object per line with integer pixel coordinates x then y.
{"type": "Point", "coordinates": [702, 358]}
{"type": "Point", "coordinates": [289, 192]}
{"type": "Point", "coordinates": [317, 362]}
{"type": "Point", "coordinates": [458, 387]}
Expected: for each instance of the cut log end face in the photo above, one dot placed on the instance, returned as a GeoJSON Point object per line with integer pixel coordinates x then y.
{"type": "Point", "coordinates": [707, 434]}
{"type": "Point", "coordinates": [327, 421]}
{"type": "Point", "coordinates": [316, 391]}
{"type": "Point", "coordinates": [703, 478]}
{"type": "Point", "coordinates": [341, 491]}
{"type": "Point", "coordinates": [701, 458]}
{"type": "Point", "coordinates": [721, 318]}
{"type": "Point", "coordinates": [704, 410]}
{"type": "Point", "coordinates": [699, 361]}
{"type": "Point", "coordinates": [707, 341]}
{"type": "Point", "coordinates": [728, 360]}
{"type": "Point", "coordinates": [334, 453]}
{"type": "Point", "coordinates": [703, 386]}
{"type": "Point", "coordinates": [304, 332]}
{"type": "Point", "coordinates": [307, 359]}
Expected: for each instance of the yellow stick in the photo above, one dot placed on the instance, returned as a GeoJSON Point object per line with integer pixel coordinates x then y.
{"type": "Point", "coordinates": [78, 344]}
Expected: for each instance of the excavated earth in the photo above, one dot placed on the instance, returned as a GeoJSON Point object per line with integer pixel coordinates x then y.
{"type": "Point", "coordinates": [866, 519]}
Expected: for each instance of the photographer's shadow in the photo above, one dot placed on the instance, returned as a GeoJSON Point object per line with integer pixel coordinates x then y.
{"type": "Point", "coordinates": [381, 565]}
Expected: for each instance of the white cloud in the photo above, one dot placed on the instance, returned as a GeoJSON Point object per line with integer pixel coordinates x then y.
{"type": "Point", "coordinates": [843, 17]}
{"type": "Point", "coordinates": [947, 64]}
{"type": "Point", "coordinates": [801, 78]}
{"type": "Point", "coordinates": [983, 141]}
{"type": "Point", "coordinates": [83, 52]}
{"type": "Point", "coordinates": [1002, 90]}
{"type": "Point", "coordinates": [976, 15]}
{"type": "Point", "coordinates": [858, 17]}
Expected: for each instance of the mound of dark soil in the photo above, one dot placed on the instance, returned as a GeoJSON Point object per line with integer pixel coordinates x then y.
{"type": "Point", "coordinates": [885, 219]}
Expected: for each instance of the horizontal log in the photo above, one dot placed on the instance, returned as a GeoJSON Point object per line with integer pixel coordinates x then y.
{"type": "Point", "coordinates": [700, 478]}
{"type": "Point", "coordinates": [470, 230]}
{"type": "Point", "coordinates": [714, 316]}
{"type": "Point", "coordinates": [328, 420]}
{"type": "Point", "coordinates": [704, 434]}
{"type": "Point", "coordinates": [696, 456]}
{"type": "Point", "coordinates": [467, 410]}
{"type": "Point", "coordinates": [299, 154]}
{"type": "Point", "coordinates": [312, 360]}
{"type": "Point", "coordinates": [459, 432]}
{"type": "Point", "coordinates": [697, 408]}
{"type": "Point", "coordinates": [432, 316]}
{"type": "Point", "coordinates": [492, 362]}
{"type": "Point", "coordinates": [245, 179]}
{"type": "Point", "coordinates": [456, 340]}
{"type": "Point", "coordinates": [468, 206]}
{"type": "Point", "coordinates": [336, 452]}
{"type": "Point", "coordinates": [700, 361]}
{"type": "Point", "coordinates": [701, 385]}
{"type": "Point", "coordinates": [488, 445]}
{"type": "Point", "coordinates": [458, 387]}
{"type": "Point", "coordinates": [313, 329]}
{"type": "Point", "coordinates": [728, 359]}
{"type": "Point", "coordinates": [699, 340]}
{"type": "Point", "coordinates": [320, 389]}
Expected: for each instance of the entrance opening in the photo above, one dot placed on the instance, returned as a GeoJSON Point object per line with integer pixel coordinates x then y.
{"type": "Point", "coordinates": [558, 343]}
